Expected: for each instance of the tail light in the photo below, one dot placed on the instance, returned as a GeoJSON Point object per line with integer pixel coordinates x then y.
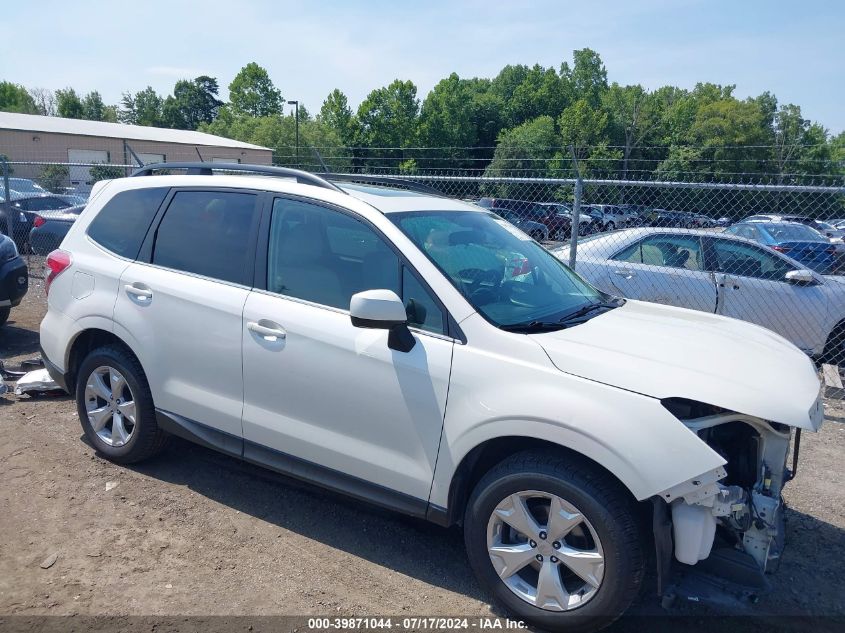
{"type": "Point", "coordinates": [38, 221]}
{"type": "Point", "coordinates": [57, 262]}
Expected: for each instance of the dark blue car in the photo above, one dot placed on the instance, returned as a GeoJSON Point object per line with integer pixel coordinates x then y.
{"type": "Point", "coordinates": [798, 241]}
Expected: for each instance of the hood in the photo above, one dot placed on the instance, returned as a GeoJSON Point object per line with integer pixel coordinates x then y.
{"type": "Point", "coordinates": [667, 352]}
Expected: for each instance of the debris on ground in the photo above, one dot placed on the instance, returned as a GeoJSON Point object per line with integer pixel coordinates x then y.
{"type": "Point", "coordinates": [111, 485]}
{"type": "Point", "coordinates": [3, 388]}
{"type": "Point", "coordinates": [48, 562]}
{"type": "Point", "coordinates": [37, 381]}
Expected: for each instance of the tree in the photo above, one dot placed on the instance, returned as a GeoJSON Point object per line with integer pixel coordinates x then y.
{"type": "Point", "coordinates": [587, 79]}
{"type": "Point", "coordinates": [583, 127]}
{"type": "Point", "coordinates": [388, 116]}
{"type": "Point", "coordinates": [732, 135]}
{"type": "Point", "coordinates": [105, 172]}
{"type": "Point", "coordinates": [142, 108]}
{"type": "Point", "coordinates": [337, 115]}
{"type": "Point", "coordinates": [252, 93]}
{"type": "Point", "coordinates": [15, 98]}
{"type": "Point", "coordinates": [192, 103]}
{"type": "Point", "coordinates": [634, 114]}
{"type": "Point", "coordinates": [54, 177]}
{"type": "Point", "coordinates": [525, 150]}
{"type": "Point", "coordinates": [68, 104]}
{"type": "Point", "coordinates": [45, 101]}
{"type": "Point", "coordinates": [94, 109]}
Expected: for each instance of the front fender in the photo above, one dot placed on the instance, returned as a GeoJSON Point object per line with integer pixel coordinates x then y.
{"type": "Point", "coordinates": [631, 435]}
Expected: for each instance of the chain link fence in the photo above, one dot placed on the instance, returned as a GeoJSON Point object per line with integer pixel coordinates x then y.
{"type": "Point", "coordinates": [769, 254]}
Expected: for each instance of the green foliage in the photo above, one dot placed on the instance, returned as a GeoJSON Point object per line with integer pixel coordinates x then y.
{"type": "Point", "coordinates": [524, 151]}
{"type": "Point", "coordinates": [15, 98]}
{"type": "Point", "coordinates": [68, 104]}
{"type": "Point", "coordinates": [388, 116]}
{"type": "Point", "coordinates": [337, 115]}
{"type": "Point", "coordinates": [192, 103]}
{"type": "Point", "coordinates": [143, 108]}
{"type": "Point", "coordinates": [4, 160]}
{"type": "Point", "coordinates": [251, 93]}
{"type": "Point", "coordinates": [106, 172]}
{"type": "Point", "coordinates": [54, 177]}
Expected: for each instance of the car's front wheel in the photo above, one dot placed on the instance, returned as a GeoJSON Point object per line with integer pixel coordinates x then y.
{"type": "Point", "coordinates": [555, 542]}
{"type": "Point", "coordinates": [115, 406]}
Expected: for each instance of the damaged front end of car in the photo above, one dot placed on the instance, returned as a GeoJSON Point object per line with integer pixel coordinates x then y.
{"type": "Point", "coordinates": [719, 534]}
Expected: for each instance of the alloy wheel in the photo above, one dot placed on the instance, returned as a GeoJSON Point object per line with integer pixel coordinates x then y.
{"type": "Point", "coordinates": [110, 406]}
{"type": "Point", "coordinates": [545, 550]}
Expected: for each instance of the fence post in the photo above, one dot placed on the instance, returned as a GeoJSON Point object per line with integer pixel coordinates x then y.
{"type": "Point", "coordinates": [7, 198]}
{"type": "Point", "coordinates": [576, 214]}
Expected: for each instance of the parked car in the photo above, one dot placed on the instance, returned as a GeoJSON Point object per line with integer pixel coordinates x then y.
{"type": "Point", "coordinates": [800, 242]}
{"type": "Point", "coordinates": [50, 227]}
{"type": "Point", "coordinates": [610, 216]}
{"type": "Point", "coordinates": [724, 221]}
{"type": "Point", "coordinates": [24, 208]}
{"type": "Point", "coordinates": [834, 235]}
{"type": "Point", "coordinates": [316, 328]}
{"type": "Point", "coordinates": [721, 274]}
{"type": "Point", "coordinates": [14, 278]}
{"type": "Point", "coordinates": [22, 186]}
{"type": "Point", "coordinates": [671, 219]}
{"type": "Point", "coordinates": [530, 212]}
{"type": "Point", "coordinates": [537, 230]}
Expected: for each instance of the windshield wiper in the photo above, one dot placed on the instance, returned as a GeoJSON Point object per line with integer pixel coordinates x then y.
{"type": "Point", "coordinates": [580, 315]}
{"type": "Point", "coordinates": [533, 326]}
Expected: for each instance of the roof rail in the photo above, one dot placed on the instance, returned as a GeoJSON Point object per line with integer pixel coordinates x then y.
{"type": "Point", "coordinates": [206, 169]}
{"type": "Point", "coordinates": [389, 181]}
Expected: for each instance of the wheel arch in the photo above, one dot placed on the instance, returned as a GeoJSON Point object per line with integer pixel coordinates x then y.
{"type": "Point", "coordinates": [83, 343]}
{"type": "Point", "coordinates": [486, 455]}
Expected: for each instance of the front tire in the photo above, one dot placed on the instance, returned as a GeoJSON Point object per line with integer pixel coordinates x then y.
{"type": "Point", "coordinates": [555, 541]}
{"type": "Point", "coordinates": [115, 406]}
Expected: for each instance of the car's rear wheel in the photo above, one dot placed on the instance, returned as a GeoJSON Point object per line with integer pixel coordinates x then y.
{"type": "Point", "coordinates": [610, 226]}
{"type": "Point", "coordinates": [554, 542]}
{"type": "Point", "coordinates": [115, 406]}
{"type": "Point", "coordinates": [537, 234]}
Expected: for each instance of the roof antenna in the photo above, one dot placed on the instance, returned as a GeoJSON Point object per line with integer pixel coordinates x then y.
{"type": "Point", "coordinates": [197, 150]}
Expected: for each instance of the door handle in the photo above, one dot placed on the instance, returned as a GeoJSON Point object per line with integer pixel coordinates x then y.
{"type": "Point", "coordinates": [627, 273]}
{"type": "Point", "coordinates": [266, 332]}
{"type": "Point", "coordinates": [141, 293]}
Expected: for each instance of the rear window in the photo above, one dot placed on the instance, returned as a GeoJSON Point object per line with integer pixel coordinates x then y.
{"type": "Point", "coordinates": [207, 233]}
{"type": "Point", "coordinates": [122, 223]}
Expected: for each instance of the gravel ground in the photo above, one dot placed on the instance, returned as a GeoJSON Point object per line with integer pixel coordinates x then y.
{"type": "Point", "coordinates": [194, 532]}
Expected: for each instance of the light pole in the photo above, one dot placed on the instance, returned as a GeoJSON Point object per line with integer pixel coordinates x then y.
{"type": "Point", "coordinates": [296, 103]}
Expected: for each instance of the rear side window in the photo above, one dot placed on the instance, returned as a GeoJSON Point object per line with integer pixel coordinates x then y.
{"type": "Point", "coordinates": [122, 223]}
{"type": "Point", "coordinates": [207, 233]}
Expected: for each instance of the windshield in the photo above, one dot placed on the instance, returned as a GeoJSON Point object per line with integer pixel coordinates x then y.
{"type": "Point", "coordinates": [794, 233]}
{"type": "Point", "coordinates": [505, 275]}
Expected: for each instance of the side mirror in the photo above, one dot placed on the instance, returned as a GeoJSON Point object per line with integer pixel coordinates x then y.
{"type": "Point", "coordinates": [801, 277]}
{"type": "Point", "coordinates": [383, 310]}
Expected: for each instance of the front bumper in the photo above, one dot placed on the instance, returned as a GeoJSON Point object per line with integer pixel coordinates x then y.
{"type": "Point", "coordinates": [14, 282]}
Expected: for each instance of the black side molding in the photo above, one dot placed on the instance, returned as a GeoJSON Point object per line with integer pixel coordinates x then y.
{"type": "Point", "coordinates": [199, 433]}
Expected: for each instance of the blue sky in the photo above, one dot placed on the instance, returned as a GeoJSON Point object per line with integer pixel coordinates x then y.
{"type": "Point", "coordinates": [794, 49]}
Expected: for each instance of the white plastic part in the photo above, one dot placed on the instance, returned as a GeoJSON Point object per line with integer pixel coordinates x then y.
{"type": "Point", "coordinates": [694, 528]}
{"type": "Point", "coordinates": [35, 382]}
{"type": "Point", "coordinates": [377, 305]}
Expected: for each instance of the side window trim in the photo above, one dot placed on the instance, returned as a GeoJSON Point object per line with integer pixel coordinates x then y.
{"type": "Point", "coordinates": [146, 252]}
{"type": "Point", "coordinates": [639, 244]}
{"type": "Point", "coordinates": [451, 328]}
{"type": "Point", "coordinates": [153, 223]}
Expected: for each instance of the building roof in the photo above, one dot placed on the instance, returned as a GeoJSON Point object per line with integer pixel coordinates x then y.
{"type": "Point", "coordinates": [79, 127]}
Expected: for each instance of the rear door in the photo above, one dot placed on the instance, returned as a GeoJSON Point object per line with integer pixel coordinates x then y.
{"type": "Point", "coordinates": [181, 304]}
{"type": "Point", "coordinates": [754, 288]}
{"type": "Point", "coordinates": [664, 268]}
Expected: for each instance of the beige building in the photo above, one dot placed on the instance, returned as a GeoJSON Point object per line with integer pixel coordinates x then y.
{"type": "Point", "coordinates": [29, 142]}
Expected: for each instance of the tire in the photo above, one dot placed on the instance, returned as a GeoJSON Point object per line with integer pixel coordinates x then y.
{"type": "Point", "coordinates": [122, 433]}
{"type": "Point", "coordinates": [608, 535]}
{"type": "Point", "coordinates": [4, 315]}
{"type": "Point", "coordinates": [834, 349]}
{"type": "Point", "coordinates": [610, 226]}
{"type": "Point", "coordinates": [537, 235]}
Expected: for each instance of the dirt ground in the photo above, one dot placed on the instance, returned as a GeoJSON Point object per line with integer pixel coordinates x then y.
{"type": "Point", "coordinates": [194, 532]}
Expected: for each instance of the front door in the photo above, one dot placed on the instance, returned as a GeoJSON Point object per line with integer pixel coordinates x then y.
{"type": "Point", "coordinates": [318, 391]}
{"type": "Point", "coordinates": [753, 288]}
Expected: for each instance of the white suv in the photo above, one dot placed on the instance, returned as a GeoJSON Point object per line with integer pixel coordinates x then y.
{"type": "Point", "coordinates": [378, 342]}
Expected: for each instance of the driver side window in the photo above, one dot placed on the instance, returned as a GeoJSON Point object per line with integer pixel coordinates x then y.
{"type": "Point", "coordinates": [745, 260]}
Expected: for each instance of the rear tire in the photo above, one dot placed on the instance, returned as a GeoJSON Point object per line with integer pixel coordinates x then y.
{"type": "Point", "coordinates": [115, 406]}
{"type": "Point", "coordinates": [834, 349]}
{"type": "Point", "coordinates": [598, 521]}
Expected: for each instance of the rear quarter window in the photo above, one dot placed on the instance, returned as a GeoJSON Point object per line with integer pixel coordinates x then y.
{"type": "Point", "coordinates": [122, 223]}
